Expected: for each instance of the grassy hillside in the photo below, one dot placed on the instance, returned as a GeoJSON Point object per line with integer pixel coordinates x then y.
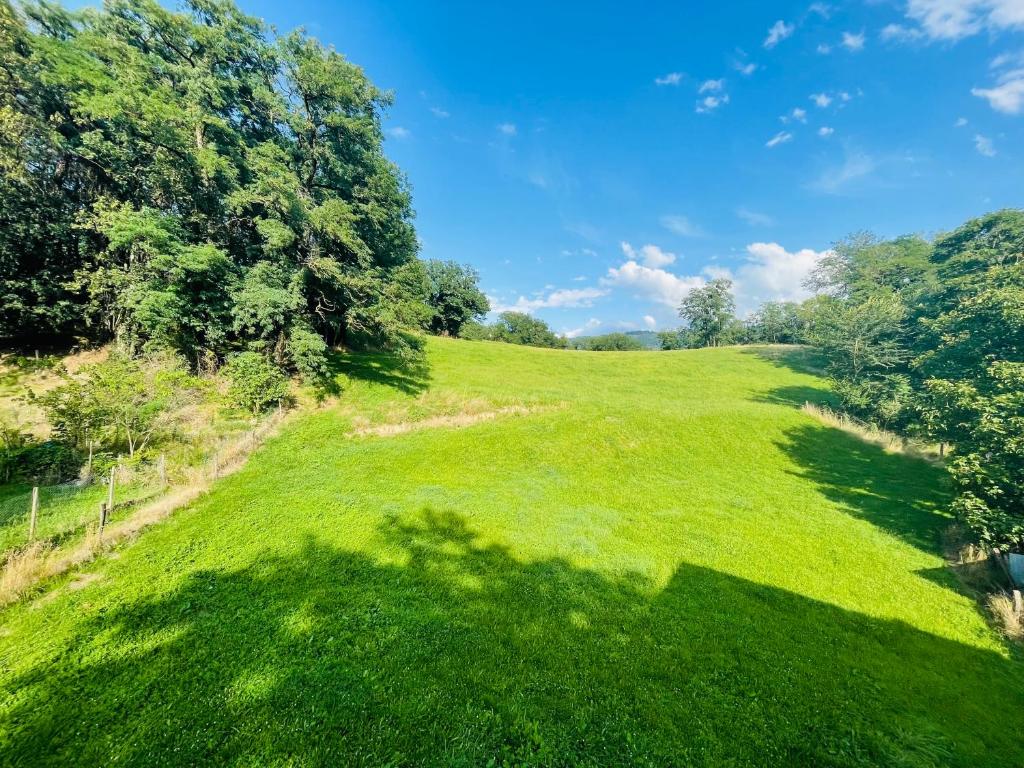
{"type": "Point", "coordinates": [535, 556]}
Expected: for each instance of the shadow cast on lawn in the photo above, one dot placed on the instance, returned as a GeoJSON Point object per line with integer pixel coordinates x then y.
{"type": "Point", "coordinates": [408, 375]}
{"type": "Point", "coordinates": [795, 357]}
{"type": "Point", "coordinates": [464, 654]}
{"type": "Point", "coordinates": [797, 395]}
{"type": "Point", "coordinates": [904, 496]}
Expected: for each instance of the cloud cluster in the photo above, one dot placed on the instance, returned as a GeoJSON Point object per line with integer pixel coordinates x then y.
{"type": "Point", "coordinates": [650, 255]}
{"type": "Point", "coordinates": [781, 137]}
{"type": "Point", "coordinates": [672, 78]}
{"type": "Point", "coordinates": [771, 273]}
{"type": "Point", "coordinates": [768, 273]}
{"type": "Point", "coordinates": [957, 19]}
{"type": "Point", "coordinates": [778, 32]}
{"type": "Point", "coordinates": [1007, 95]}
{"type": "Point", "coordinates": [651, 283]}
{"type": "Point", "coordinates": [561, 298]}
{"type": "Point", "coordinates": [984, 145]}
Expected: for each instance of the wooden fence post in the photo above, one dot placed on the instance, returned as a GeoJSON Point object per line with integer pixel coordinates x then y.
{"type": "Point", "coordinates": [110, 489]}
{"type": "Point", "coordinates": [1018, 604]}
{"type": "Point", "coordinates": [103, 517]}
{"type": "Point", "coordinates": [35, 513]}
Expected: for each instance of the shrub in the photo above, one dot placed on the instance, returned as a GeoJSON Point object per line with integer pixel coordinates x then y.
{"type": "Point", "coordinates": [308, 352]}
{"type": "Point", "coordinates": [256, 384]}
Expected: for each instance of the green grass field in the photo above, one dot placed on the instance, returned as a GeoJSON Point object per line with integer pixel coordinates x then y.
{"type": "Point", "coordinates": [626, 559]}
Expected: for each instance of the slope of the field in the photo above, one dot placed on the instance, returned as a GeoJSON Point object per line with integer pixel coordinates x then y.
{"type": "Point", "coordinates": [530, 556]}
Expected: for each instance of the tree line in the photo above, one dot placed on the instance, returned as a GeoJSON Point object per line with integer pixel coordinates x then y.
{"type": "Point", "coordinates": [191, 181]}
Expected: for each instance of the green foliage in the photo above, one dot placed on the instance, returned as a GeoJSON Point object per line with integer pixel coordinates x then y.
{"type": "Point", "coordinates": [256, 384]}
{"type": "Point", "coordinates": [521, 328]}
{"type": "Point", "coordinates": [454, 294]}
{"type": "Point", "coordinates": [929, 340]}
{"type": "Point", "coordinates": [187, 180]}
{"type": "Point", "coordinates": [708, 312]}
{"type": "Point", "coordinates": [12, 442]}
{"type": "Point", "coordinates": [776, 322]}
{"type": "Point", "coordinates": [119, 403]}
{"type": "Point", "coordinates": [308, 353]}
{"type": "Point", "coordinates": [609, 342]}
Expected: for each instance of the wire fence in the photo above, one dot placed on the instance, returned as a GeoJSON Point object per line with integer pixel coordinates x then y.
{"type": "Point", "coordinates": [58, 513]}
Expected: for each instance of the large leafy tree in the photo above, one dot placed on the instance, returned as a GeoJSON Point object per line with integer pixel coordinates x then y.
{"type": "Point", "coordinates": [708, 311]}
{"type": "Point", "coordinates": [186, 179]}
{"type": "Point", "coordinates": [521, 328]}
{"type": "Point", "coordinates": [454, 296]}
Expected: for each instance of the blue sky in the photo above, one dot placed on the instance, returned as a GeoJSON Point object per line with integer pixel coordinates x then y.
{"type": "Point", "coordinates": [594, 161]}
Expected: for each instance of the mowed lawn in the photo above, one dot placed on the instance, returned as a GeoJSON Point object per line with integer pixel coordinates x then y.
{"type": "Point", "coordinates": [575, 559]}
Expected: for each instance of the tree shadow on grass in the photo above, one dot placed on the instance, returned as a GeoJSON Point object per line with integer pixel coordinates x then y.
{"type": "Point", "coordinates": [903, 496]}
{"type": "Point", "coordinates": [463, 654]}
{"type": "Point", "coordinates": [795, 357]}
{"type": "Point", "coordinates": [408, 375]}
{"type": "Point", "coordinates": [796, 395]}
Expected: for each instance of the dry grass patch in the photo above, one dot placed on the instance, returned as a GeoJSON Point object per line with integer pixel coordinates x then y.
{"type": "Point", "coordinates": [887, 441]}
{"type": "Point", "coordinates": [433, 422]}
{"type": "Point", "coordinates": [1009, 620]}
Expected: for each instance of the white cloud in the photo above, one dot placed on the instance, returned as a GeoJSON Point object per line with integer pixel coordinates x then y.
{"type": "Point", "coordinates": [1007, 95]}
{"type": "Point", "coordinates": [821, 99]}
{"type": "Point", "coordinates": [509, 129]}
{"type": "Point", "coordinates": [856, 165]}
{"type": "Point", "coordinates": [771, 273]}
{"type": "Point", "coordinates": [438, 112]}
{"type": "Point", "coordinates": [399, 132]}
{"type": "Point", "coordinates": [984, 145]}
{"type": "Point", "coordinates": [557, 299]}
{"type": "Point", "coordinates": [957, 19]}
{"type": "Point", "coordinates": [650, 322]}
{"type": "Point", "coordinates": [656, 284]}
{"type": "Point", "coordinates": [672, 78]}
{"type": "Point", "coordinates": [755, 219]}
{"type": "Point", "coordinates": [853, 41]}
{"type": "Point", "coordinates": [680, 225]}
{"type": "Point", "coordinates": [826, 130]}
{"type": "Point", "coordinates": [824, 49]}
{"type": "Point", "coordinates": [651, 255]}
{"type": "Point", "coordinates": [779, 31]}
{"type": "Point", "coordinates": [960, 122]}
{"type": "Point", "coordinates": [711, 103]}
{"type": "Point", "coordinates": [779, 138]}
{"type": "Point", "coordinates": [897, 33]}
{"type": "Point", "coordinates": [745, 68]}
{"type": "Point", "coordinates": [768, 273]}
{"type": "Point", "coordinates": [590, 325]}
{"type": "Point", "coordinates": [800, 114]}
{"type": "Point", "coordinates": [823, 10]}
{"type": "Point", "coordinates": [712, 86]}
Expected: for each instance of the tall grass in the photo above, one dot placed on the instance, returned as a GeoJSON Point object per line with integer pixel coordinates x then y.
{"type": "Point", "coordinates": [888, 441]}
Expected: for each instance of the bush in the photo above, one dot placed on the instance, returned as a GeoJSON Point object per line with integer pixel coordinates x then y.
{"type": "Point", "coordinates": [50, 461]}
{"type": "Point", "coordinates": [308, 352]}
{"type": "Point", "coordinates": [256, 384]}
